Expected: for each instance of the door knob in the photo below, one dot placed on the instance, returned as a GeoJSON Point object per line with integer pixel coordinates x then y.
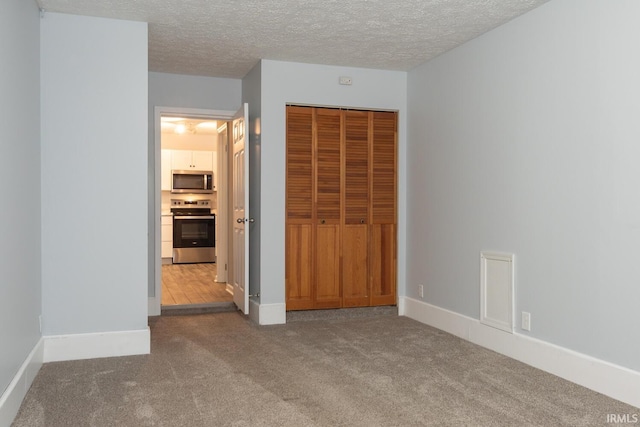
{"type": "Point", "coordinates": [240, 220]}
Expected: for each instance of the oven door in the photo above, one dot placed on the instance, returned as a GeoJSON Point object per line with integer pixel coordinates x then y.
{"type": "Point", "coordinates": [194, 231]}
{"type": "Point", "coordinates": [194, 239]}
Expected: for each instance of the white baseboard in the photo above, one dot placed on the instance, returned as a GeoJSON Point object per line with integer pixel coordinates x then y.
{"type": "Point", "coordinates": [96, 345]}
{"type": "Point", "coordinates": [267, 314]}
{"type": "Point", "coordinates": [254, 311]}
{"type": "Point", "coordinates": [153, 307]}
{"type": "Point", "coordinates": [12, 397]}
{"type": "Point", "coordinates": [604, 377]}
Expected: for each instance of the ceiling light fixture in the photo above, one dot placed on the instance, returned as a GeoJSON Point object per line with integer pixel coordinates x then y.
{"type": "Point", "coordinates": [180, 128]}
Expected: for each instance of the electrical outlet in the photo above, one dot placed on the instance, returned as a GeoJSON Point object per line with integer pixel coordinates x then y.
{"type": "Point", "coordinates": [344, 80]}
{"type": "Point", "coordinates": [421, 291]}
{"type": "Point", "coordinates": [526, 321]}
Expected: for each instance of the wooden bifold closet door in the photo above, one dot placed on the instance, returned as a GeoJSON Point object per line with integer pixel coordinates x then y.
{"type": "Point", "coordinates": [341, 208]}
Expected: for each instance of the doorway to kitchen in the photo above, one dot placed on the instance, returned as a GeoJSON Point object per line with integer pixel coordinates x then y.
{"type": "Point", "coordinates": [192, 261]}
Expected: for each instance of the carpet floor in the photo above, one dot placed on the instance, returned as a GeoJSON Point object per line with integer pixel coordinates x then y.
{"type": "Point", "coordinates": [378, 370]}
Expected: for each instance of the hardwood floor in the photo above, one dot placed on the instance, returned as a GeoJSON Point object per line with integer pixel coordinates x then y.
{"type": "Point", "coordinates": [185, 284]}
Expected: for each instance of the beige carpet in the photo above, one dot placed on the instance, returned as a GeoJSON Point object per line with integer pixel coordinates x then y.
{"type": "Point", "coordinates": [373, 369]}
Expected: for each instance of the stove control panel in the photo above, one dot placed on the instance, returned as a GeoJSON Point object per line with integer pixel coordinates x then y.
{"type": "Point", "coordinates": [178, 203]}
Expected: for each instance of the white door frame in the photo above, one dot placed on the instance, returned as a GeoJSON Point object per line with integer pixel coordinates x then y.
{"type": "Point", "coordinates": [222, 231]}
{"type": "Point", "coordinates": [154, 302]}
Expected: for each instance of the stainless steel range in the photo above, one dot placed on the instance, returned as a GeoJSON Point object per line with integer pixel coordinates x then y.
{"type": "Point", "coordinates": [194, 231]}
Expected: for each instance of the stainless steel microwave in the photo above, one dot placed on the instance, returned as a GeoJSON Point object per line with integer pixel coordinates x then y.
{"type": "Point", "coordinates": [189, 181]}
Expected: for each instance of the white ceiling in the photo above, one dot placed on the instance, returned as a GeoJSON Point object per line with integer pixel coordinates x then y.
{"type": "Point", "coordinates": [185, 125]}
{"type": "Point", "coordinates": [227, 38]}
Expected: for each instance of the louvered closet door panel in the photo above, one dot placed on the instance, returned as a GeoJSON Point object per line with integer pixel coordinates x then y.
{"type": "Point", "coordinates": [327, 202]}
{"type": "Point", "coordinates": [298, 267]}
{"type": "Point", "coordinates": [384, 181]}
{"type": "Point", "coordinates": [355, 235]}
{"type": "Point", "coordinates": [299, 207]}
{"type": "Point", "coordinates": [328, 165]}
{"type": "Point", "coordinates": [356, 186]}
{"type": "Point", "coordinates": [299, 164]}
{"type": "Point", "coordinates": [383, 205]}
{"type": "Point", "coordinates": [383, 264]}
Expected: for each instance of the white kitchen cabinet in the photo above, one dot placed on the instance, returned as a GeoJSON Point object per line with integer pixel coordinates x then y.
{"type": "Point", "coordinates": [165, 170]}
{"type": "Point", "coordinates": [166, 234]}
{"type": "Point", "coordinates": [192, 160]}
{"type": "Point", "coordinates": [181, 160]}
{"type": "Point", "coordinates": [202, 160]}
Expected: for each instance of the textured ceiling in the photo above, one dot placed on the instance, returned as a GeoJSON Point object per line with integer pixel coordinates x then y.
{"type": "Point", "coordinates": [227, 38]}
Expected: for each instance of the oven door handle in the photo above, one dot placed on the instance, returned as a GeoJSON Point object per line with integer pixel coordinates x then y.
{"type": "Point", "coordinates": [195, 217]}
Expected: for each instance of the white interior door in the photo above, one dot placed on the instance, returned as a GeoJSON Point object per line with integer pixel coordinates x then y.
{"type": "Point", "coordinates": [240, 200]}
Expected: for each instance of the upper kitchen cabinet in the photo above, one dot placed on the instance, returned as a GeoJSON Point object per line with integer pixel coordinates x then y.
{"type": "Point", "coordinates": [192, 160]}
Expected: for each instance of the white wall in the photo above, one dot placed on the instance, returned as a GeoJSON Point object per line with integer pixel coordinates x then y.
{"type": "Point", "coordinates": [94, 151]}
{"type": "Point", "coordinates": [20, 296]}
{"type": "Point", "coordinates": [525, 140]}
{"type": "Point", "coordinates": [187, 141]}
{"type": "Point", "coordinates": [287, 82]}
{"type": "Point", "coordinates": [175, 90]}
